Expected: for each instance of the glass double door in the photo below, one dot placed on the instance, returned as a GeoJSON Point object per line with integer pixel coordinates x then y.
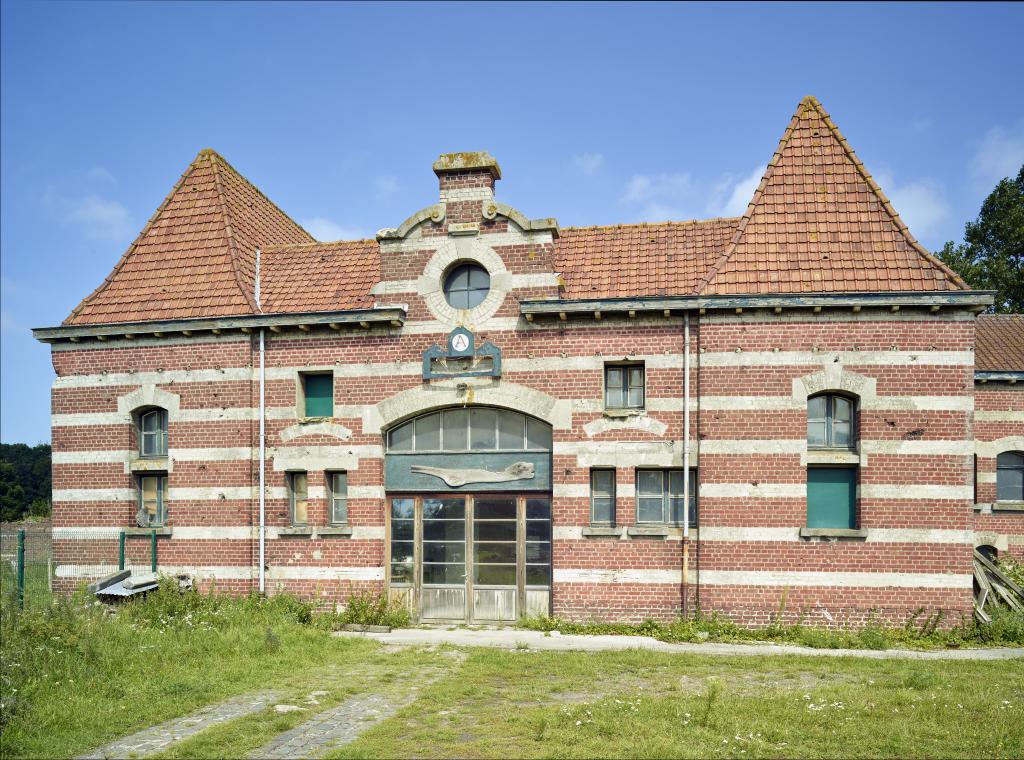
{"type": "Point", "coordinates": [471, 557]}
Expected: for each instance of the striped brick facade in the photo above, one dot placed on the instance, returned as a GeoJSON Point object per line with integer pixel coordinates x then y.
{"type": "Point", "coordinates": [923, 428]}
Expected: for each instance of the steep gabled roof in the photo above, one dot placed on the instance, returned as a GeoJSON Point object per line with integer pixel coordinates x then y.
{"type": "Point", "coordinates": [634, 260]}
{"type": "Point", "coordinates": [196, 257]}
{"type": "Point", "coordinates": [999, 343]}
{"type": "Point", "coordinates": [319, 276]}
{"type": "Point", "coordinates": [819, 223]}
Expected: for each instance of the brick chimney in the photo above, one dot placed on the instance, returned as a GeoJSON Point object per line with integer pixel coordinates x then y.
{"type": "Point", "coordinates": [467, 176]}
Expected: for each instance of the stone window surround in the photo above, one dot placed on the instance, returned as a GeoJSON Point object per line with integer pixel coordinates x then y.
{"type": "Point", "coordinates": [861, 390]}
{"type": "Point", "coordinates": [459, 250]}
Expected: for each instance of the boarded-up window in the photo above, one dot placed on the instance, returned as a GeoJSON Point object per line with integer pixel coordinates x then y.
{"type": "Point", "coordinates": [298, 498]}
{"type": "Point", "coordinates": [832, 497]}
{"type": "Point", "coordinates": [319, 395]}
{"type": "Point", "coordinates": [152, 501]}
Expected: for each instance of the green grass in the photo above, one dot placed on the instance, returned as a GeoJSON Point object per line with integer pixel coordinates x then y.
{"type": "Point", "coordinates": [919, 632]}
{"type": "Point", "coordinates": [646, 704]}
{"type": "Point", "coordinates": [73, 677]}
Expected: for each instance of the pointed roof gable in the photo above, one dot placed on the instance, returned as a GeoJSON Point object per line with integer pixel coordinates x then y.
{"type": "Point", "coordinates": [196, 257]}
{"type": "Point", "coordinates": [819, 223]}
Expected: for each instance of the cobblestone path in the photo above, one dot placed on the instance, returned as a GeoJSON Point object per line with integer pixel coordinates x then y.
{"type": "Point", "coordinates": [333, 727]}
{"type": "Point", "coordinates": [155, 739]}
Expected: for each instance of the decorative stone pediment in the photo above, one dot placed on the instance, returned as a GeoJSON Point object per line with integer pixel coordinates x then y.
{"type": "Point", "coordinates": [332, 429]}
{"type": "Point", "coordinates": [833, 377]}
{"type": "Point", "coordinates": [467, 392]}
{"type": "Point", "coordinates": [149, 395]}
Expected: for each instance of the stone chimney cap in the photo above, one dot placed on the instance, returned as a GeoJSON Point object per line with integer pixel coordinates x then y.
{"type": "Point", "coordinates": [460, 162]}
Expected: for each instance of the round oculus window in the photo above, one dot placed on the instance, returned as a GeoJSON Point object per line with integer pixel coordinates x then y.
{"type": "Point", "coordinates": [466, 286]}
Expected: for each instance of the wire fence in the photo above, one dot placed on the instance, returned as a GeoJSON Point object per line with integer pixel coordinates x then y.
{"type": "Point", "coordinates": [37, 561]}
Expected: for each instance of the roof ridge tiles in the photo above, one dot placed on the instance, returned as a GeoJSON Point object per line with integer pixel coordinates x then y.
{"type": "Point", "coordinates": [229, 229]}
{"type": "Point", "coordinates": [712, 220]}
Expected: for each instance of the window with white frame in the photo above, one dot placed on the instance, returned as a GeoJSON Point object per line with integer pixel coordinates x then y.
{"type": "Point", "coordinates": [602, 496]}
{"type": "Point", "coordinates": [153, 433]}
{"type": "Point", "coordinates": [660, 497]}
{"type": "Point", "coordinates": [337, 486]}
{"type": "Point", "coordinates": [298, 498]}
{"type": "Point", "coordinates": [1010, 476]}
{"type": "Point", "coordinates": [152, 501]}
{"type": "Point", "coordinates": [624, 386]}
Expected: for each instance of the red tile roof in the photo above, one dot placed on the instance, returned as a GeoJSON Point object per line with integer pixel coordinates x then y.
{"type": "Point", "coordinates": [818, 223]}
{"type": "Point", "coordinates": [661, 259]}
{"type": "Point", "coordinates": [319, 276]}
{"type": "Point", "coordinates": [196, 257]}
{"type": "Point", "coordinates": [999, 343]}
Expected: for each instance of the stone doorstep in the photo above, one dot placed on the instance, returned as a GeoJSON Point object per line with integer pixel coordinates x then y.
{"type": "Point", "coordinates": [367, 628]}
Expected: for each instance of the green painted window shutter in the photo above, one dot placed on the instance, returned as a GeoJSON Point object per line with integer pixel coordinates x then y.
{"type": "Point", "coordinates": [831, 497]}
{"type": "Point", "coordinates": [319, 395]}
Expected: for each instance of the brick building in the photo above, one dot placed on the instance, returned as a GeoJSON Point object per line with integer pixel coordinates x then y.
{"type": "Point", "coordinates": [488, 415]}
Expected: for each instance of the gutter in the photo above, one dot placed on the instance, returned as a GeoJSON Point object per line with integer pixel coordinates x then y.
{"type": "Point", "coordinates": [1012, 377]}
{"type": "Point", "coordinates": [263, 443]}
{"type": "Point", "coordinates": [686, 464]}
{"type": "Point", "coordinates": [245, 323]}
{"type": "Point", "coordinates": [977, 300]}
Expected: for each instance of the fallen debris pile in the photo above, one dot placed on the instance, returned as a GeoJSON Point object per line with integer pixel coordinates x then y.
{"type": "Point", "coordinates": [993, 589]}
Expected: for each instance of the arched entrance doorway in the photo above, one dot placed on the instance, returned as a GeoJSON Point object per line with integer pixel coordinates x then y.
{"type": "Point", "coordinates": [469, 514]}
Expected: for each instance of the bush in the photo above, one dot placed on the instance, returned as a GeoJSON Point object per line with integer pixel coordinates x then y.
{"type": "Point", "coordinates": [366, 608]}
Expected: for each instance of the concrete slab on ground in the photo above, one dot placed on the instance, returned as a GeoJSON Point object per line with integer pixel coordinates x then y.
{"type": "Point", "coordinates": [513, 638]}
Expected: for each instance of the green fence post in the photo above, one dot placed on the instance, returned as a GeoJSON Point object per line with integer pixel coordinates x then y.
{"type": "Point", "coordinates": [152, 551]}
{"type": "Point", "coordinates": [120, 552]}
{"type": "Point", "coordinates": [21, 569]}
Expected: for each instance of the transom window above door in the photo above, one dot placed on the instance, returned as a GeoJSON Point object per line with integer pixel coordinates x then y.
{"type": "Point", "coordinates": [471, 429]}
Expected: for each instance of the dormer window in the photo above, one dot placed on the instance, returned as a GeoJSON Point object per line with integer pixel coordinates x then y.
{"type": "Point", "coordinates": [153, 433]}
{"type": "Point", "coordinates": [466, 286]}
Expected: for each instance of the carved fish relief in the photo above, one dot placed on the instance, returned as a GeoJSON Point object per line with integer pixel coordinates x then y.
{"type": "Point", "coordinates": [461, 477]}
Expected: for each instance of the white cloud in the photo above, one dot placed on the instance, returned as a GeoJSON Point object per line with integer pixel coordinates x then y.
{"type": "Point", "coordinates": [588, 163]}
{"type": "Point", "coordinates": [921, 204]}
{"type": "Point", "coordinates": [643, 188]}
{"type": "Point", "coordinates": [739, 189]}
{"type": "Point", "coordinates": [999, 154]}
{"type": "Point", "coordinates": [100, 174]}
{"type": "Point", "coordinates": [99, 218]}
{"type": "Point", "coordinates": [385, 186]}
{"type": "Point", "coordinates": [326, 230]}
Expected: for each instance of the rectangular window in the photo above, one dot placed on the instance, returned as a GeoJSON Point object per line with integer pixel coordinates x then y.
{"type": "Point", "coordinates": [298, 498]}
{"type": "Point", "coordinates": [318, 395]}
{"type": "Point", "coordinates": [831, 497]}
{"type": "Point", "coordinates": [338, 483]}
{"type": "Point", "coordinates": [402, 534]}
{"type": "Point", "coordinates": [660, 497]}
{"type": "Point", "coordinates": [624, 386]}
{"type": "Point", "coordinates": [153, 433]}
{"type": "Point", "coordinates": [152, 501]}
{"type": "Point", "coordinates": [602, 496]}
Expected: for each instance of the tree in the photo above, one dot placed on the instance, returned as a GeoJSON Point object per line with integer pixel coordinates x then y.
{"type": "Point", "coordinates": [992, 254]}
{"type": "Point", "coordinates": [24, 480]}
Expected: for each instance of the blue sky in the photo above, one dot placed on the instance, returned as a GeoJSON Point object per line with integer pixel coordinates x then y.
{"type": "Point", "coordinates": [598, 113]}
